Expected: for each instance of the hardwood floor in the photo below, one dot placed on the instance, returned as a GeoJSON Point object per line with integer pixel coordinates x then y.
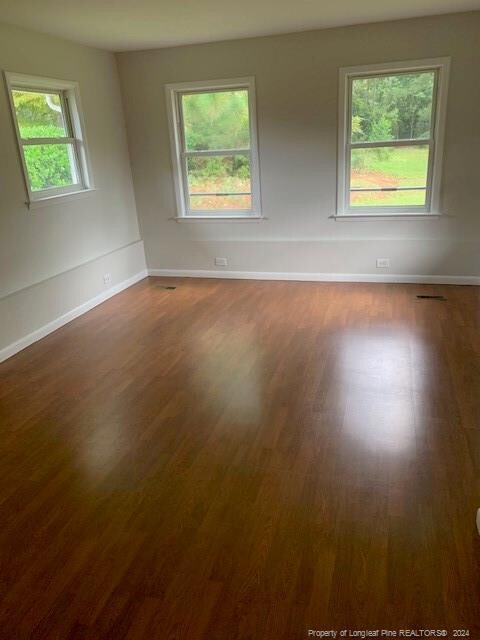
{"type": "Point", "coordinates": [244, 460]}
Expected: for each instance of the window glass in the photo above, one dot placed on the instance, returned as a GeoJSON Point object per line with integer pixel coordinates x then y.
{"type": "Point", "coordinates": [392, 107]}
{"type": "Point", "coordinates": [219, 182]}
{"type": "Point", "coordinates": [216, 120]}
{"type": "Point", "coordinates": [389, 170]}
{"type": "Point", "coordinates": [39, 115]}
{"type": "Point", "coordinates": [50, 165]}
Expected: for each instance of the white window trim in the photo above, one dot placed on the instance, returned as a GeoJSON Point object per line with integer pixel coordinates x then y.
{"type": "Point", "coordinates": [173, 92]}
{"type": "Point", "coordinates": [72, 106]}
{"type": "Point", "coordinates": [436, 141]}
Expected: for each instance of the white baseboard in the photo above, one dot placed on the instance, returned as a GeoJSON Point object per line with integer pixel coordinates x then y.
{"type": "Point", "coordinates": [40, 333]}
{"type": "Point", "coordinates": [317, 277]}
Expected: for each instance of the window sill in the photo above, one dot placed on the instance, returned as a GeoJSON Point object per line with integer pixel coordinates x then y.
{"type": "Point", "coordinates": [386, 216]}
{"type": "Point", "coordinates": [217, 218]}
{"type": "Point", "coordinates": [60, 198]}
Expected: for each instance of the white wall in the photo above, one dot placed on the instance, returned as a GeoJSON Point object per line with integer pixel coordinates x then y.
{"type": "Point", "coordinates": [297, 89]}
{"type": "Point", "coordinates": [42, 250]}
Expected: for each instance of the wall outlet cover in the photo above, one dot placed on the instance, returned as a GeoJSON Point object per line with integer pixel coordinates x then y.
{"type": "Point", "coordinates": [383, 263]}
{"type": "Point", "coordinates": [221, 262]}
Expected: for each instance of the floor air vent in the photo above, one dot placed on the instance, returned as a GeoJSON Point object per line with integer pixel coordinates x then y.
{"type": "Point", "coordinates": [442, 298]}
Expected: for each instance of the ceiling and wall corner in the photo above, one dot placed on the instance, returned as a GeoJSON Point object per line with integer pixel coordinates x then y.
{"type": "Point", "coordinates": [119, 25]}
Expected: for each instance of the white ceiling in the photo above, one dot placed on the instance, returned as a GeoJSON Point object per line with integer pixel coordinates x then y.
{"type": "Point", "coordinates": [140, 24]}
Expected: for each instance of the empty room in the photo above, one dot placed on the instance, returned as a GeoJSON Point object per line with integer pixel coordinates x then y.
{"type": "Point", "coordinates": [239, 319]}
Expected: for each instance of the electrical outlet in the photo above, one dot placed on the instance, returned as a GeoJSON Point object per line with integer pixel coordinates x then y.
{"type": "Point", "coordinates": [221, 262]}
{"type": "Point", "coordinates": [107, 278]}
{"type": "Point", "coordinates": [383, 263]}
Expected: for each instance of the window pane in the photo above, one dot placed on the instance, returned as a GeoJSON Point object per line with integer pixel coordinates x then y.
{"type": "Point", "coordinates": [50, 165]}
{"type": "Point", "coordinates": [387, 167]}
{"type": "Point", "coordinates": [219, 182]}
{"type": "Point", "coordinates": [39, 115]}
{"type": "Point", "coordinates": [216, 120]}
{"type": "Point", "coordinates": [392, 107]}
{"type": "Point", "coordinates": [388, 198]}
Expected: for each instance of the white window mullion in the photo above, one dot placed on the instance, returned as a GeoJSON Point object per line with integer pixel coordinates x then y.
{"type": "Point", "coordinates": [386, 189]}
{"type": "Point", "coordinates": [41, 141]}
{"type": "Point", "coordinates": [390, 143]}
{"type": "Point", "coordinates": [184, 180]}
{"type": "Point", "coordinates": [430, 173]}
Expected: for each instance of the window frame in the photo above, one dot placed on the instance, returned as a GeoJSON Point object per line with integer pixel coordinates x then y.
{"type": "Point", "coordinates": [179, 153]}
{"type": "Point", "coordinates": [74, 125]}
{"type": "Point", "coordinates": [441, 67]}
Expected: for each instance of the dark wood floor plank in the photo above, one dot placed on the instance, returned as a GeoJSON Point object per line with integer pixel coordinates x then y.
{"type": "Point", "coordinates": [244, 460]}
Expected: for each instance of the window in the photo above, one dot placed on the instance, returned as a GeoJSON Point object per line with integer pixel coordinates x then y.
{"type": "Point", "coordinates": [214, 148]}
{"type": "Point", "coordinates": [50, 137]}
{"type": "Point", "coordinates": [392, 120]}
